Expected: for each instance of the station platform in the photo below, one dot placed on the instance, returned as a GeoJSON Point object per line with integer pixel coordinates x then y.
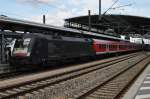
{"type": "Point", "coordinates": [141, 87]}
{"type": "Point", "coordinates": [4, 65]}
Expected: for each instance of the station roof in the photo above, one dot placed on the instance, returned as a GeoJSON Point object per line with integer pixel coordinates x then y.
{"type": "Point", "coordinates": [17, 26]}
{"type": "Point", "coordinates": [13, 24]}
{"type": "Point", "coordinates": [122, 24]}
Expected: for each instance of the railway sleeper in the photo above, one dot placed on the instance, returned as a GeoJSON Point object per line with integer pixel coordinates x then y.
{"type": "Point", "coordinates": [3, 94]}
{"type": "Point", "coordinates": [27, 96]}
{"type": "Point", "coordinates": [112, 88]}
{"type": "Point", "coordinates": [17, 90]}
{"type": "Point", "coordinates": [29, 86]}
{"type": "Point", "coordinates": [107, 93]}
{"type": "Point", "coordinates": [109, 89]}
{"type": "Point", "coordinates": [89, 97]}
{"type": "Point", "coordinates": [104, 93]}
{"type": "Point", "coordinates": [11, 91]}
{"type": "Point", "coordinates": [24, 88]}
{"type": "Point", "coordinates": [101, 96]}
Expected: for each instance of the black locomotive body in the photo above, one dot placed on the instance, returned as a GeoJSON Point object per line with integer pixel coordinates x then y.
{"type": "Point", "coordinates": [42, 49]}
{"type": "Point", "coordinates": [146, 47]}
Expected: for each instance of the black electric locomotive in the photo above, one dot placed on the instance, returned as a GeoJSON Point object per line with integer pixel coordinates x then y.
{"type": "Point", "coordinates": [42, 49]}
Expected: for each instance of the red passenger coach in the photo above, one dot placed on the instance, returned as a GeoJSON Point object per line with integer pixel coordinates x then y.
{"type": "Point", "coordinates": [107, 46]}
{"type": "Point", "coordinates": [100, 46]}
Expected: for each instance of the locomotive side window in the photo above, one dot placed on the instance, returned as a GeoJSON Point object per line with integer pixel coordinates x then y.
{"type": "Point", "coordinates": [101, 46]}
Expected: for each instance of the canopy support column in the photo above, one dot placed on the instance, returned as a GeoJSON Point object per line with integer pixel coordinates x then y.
{"type": "Point", "coordinates": [2, 52]}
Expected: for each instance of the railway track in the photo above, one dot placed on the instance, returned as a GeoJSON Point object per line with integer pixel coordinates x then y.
{"type": "Point", "coordinates": [7, 72]}
{"type": "Point", "coordinates": [115, 86]}
{"type": "Point", "coordinates": [75, 83]}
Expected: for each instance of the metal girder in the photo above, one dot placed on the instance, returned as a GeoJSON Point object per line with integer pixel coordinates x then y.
{"type": "Point", "coordinates": [10, 34]}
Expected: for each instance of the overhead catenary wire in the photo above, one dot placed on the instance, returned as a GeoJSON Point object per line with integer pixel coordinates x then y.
{"type": "Point", "coordinates": [110, 7]}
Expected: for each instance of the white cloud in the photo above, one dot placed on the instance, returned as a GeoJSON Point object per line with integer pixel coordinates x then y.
{"type": "Point", "coordinates": [78, 8]}
{"type": "Point", "coordinates": [37, 1]}
{"type": "Point", "coordinates": [84, 5]}
{"type": "Point", "coordinates": [75, 2]}
{"type": "Point", "coordinates": [56, 19]}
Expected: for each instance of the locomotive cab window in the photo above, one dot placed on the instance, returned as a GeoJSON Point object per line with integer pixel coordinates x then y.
{"type": "Point", "coordinates": [22, 46]}
{"type": "Point", "coordinates": [22, 43]}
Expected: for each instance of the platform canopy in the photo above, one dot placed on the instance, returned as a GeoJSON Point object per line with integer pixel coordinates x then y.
{"type": "Point", "coordinates": [121, 24]}
{"type": "Point", "coordinates": [16, 26]}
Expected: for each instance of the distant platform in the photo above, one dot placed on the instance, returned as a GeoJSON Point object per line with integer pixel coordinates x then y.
{"type": "Point", "coordinates": [141, 87]}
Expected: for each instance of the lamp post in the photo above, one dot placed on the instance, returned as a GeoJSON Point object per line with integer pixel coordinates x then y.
{"type": "Point", "coordinates": [100, 9]}
{"type": "Point", "coordinates": [89, 14]}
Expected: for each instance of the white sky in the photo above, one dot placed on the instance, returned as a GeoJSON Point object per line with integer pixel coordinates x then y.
{"type": "Point", "coordinates": [58, 10]}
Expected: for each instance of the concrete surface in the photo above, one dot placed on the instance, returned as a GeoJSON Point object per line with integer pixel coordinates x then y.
{"type": "Point", "coordinates": [131, 94]}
